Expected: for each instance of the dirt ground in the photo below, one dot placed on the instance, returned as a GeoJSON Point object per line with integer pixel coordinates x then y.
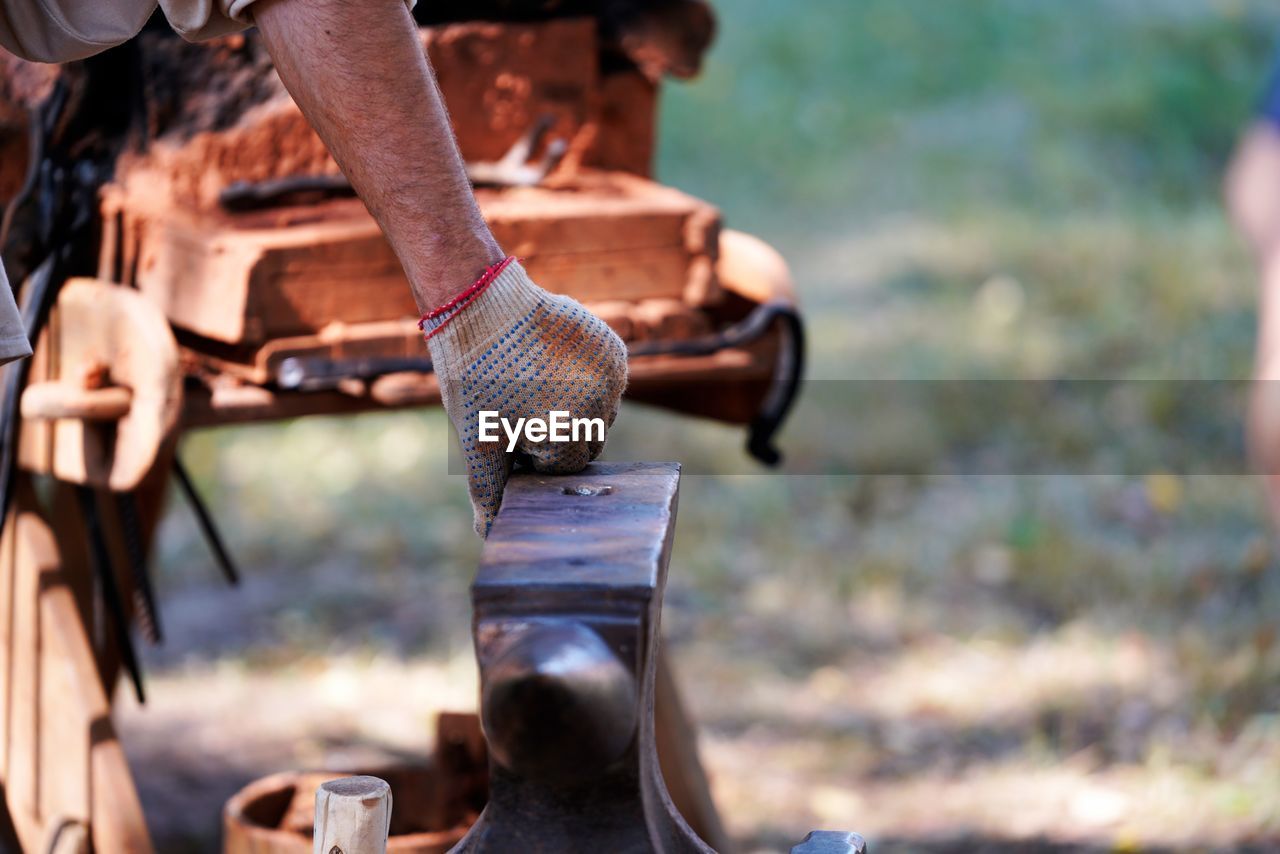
{"type": "Point", "coordinates": [926, 720]}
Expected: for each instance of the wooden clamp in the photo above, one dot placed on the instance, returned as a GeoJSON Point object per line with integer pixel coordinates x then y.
{"type": "Point", "coordinates": [567, 606]}
{"type": "Point", "coordinates": [105, 391]}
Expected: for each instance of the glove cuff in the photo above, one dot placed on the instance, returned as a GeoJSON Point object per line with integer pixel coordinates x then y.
{"type": "Point", "coordinates": [500, 299]}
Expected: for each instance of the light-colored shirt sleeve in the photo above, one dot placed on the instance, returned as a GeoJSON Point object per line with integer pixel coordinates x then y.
{"type": "Point", "coordinates": [63, 30]}
{"type": "Point", "coordinates": [197, 20]}
{"type": "Point", "coordinates": [13, 338]}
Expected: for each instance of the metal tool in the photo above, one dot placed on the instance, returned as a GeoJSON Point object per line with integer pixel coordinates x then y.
{"type": "Point", "coordinates": [512, 170]}
{"type": "Point", "coordinates": [321, 373]}
{"type": "Point", "coordinates": [786, 379]}
{"type": "Point", "coordinates": [204, 520]}
{"type": "Point", "coordinates": [144, 597]}
{"type": "Point", "coordinates": [111, 598]}
{"type": "Point", "coordinates": [831, 842]}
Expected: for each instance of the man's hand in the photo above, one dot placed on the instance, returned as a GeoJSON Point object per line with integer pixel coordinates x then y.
{"type": "Point", "coordinates": [508, 346]}
{"type": "Point", "coordinates": [360, 76]}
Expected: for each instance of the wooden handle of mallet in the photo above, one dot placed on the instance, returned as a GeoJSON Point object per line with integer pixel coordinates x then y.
{"type": "Point", "coordinates": [353, 816]}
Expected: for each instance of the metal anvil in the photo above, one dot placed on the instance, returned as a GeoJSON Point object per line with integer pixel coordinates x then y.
{"type": "Point", "coordinates": [568, 603]}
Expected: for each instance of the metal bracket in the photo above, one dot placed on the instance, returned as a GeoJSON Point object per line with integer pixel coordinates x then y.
{"type": "Point", "coordinates": [831, 842]}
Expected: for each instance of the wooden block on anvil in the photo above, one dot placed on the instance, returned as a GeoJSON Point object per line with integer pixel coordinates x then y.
{"type": "Point", "coordinates": [249, 278]}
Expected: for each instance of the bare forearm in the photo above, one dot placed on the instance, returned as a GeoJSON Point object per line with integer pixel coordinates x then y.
{"type": "Point", "coordinates": [358, 72]}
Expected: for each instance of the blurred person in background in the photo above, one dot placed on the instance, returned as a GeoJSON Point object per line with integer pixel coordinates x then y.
{"type": "Point", "coordinates": [360, 76]}
{"type": "Point", "coordinates": [1252, 189]}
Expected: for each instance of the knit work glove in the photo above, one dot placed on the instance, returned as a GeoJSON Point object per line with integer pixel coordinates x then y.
{"type": "Point", "coordinates": [506, 345]}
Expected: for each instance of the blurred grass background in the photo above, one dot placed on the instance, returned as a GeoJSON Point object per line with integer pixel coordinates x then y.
{"type": "Point", "coordinates": [993, 189]}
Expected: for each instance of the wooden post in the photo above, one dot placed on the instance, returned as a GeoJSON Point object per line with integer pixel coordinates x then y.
{"type": "Point", "coordinates": [353, 816]}
{"type": "Point", "coordinates": [62, 769]}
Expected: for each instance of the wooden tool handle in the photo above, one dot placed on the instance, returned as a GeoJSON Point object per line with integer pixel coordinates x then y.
{"type": "Point", "coordinates": [353, 816]}
{"type": "Point", "coordinates": [52, 400]}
